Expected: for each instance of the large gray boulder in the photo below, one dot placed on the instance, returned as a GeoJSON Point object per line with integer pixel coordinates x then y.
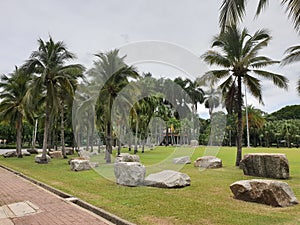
{"type": "Point", "coordinates": [129, 173]}
{"type": "Point", "coordinates": [126, 157]}
{"type": "Point", "coordinates": [269, 192]}
{"type": "Point", "coordinates": [266, 165]}
{"type": "Point", "coordinates": [80, 164]}
{"type": "Point", "coordinates": [38, 158]}
{"type": "Point", "coordinates": [168, 179]}
{"type": "Point", "coordinates": [182, 160]}
{"type": "Point", "coordinates": [210, 162]}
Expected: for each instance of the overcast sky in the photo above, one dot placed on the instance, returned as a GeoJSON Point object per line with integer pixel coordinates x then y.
{"type": "Point", "coordinates": [90, 26]}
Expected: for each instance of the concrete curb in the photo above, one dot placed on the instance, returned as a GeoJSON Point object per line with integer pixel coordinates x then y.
{"type": "Point", "coordinates": [98, 211]}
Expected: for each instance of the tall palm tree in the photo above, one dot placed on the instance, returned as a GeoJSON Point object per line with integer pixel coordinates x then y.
{"type": "Point", "coordinates": [48, 63]}
{"type": "Point", "coordinates": [233, 11]}
{"type": "Point", "coordinates": [238, 55]}
{"type": "Point", "coordinates": [292, 56]}
{"type": "Point", "coordinates": [111, 71]}
{"type": "Point", "coordinates": [13, 106]}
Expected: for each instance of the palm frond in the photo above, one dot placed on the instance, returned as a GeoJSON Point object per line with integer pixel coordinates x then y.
{"type": "Point", "coordinates": [293, 55]}
{"type": "Point", "coordinates": [278, 80]}
{"type": "Point", "coordinates": [231, 12]}
{"type": "Point", "coordinates": [254, 87]}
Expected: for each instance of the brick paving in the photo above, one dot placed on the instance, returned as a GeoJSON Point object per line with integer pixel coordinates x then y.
{"type": "Point", "coordinates": [52, 210]}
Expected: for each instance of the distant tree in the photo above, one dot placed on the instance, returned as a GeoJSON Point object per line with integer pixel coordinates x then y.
{"type": "Point", "coordinates": [286, 113]}
{"type": "Point", "coordinates": [14, 104]}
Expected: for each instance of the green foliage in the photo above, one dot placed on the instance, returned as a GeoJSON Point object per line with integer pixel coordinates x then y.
{"type": "Point", "coordinates": [286, 113]}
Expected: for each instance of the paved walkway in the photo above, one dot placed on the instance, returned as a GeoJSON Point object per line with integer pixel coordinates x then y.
{"type": "Point", "coordinates": [24, 203]}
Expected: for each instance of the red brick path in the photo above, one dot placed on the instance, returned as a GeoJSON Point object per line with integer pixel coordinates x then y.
{"type": "Point", "coordinates": [53, 209]}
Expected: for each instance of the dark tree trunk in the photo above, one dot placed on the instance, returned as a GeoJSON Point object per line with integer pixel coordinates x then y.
{"type": "Point", "coordinates": [62, 130]}
{"type": "Point", "coordinates": [108, 143]}
{"type": "Point", "coordinates": [19, 135]}
{"type": "Point", "coordinates": [46, 133]}
{"type": "Point", "coordinates": [239, 124]}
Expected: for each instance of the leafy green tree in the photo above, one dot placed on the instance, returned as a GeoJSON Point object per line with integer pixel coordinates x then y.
{"type": "Point", "coordinates": [13, 106]}
{"type": "Point", "coordinates": [233, 11]}
{"type": "Point", "coordinates": [238, 55]}
{"type": "Point", "coordinates": [52, 74]}
{"type": "Point", "coordinates": [113, 74]}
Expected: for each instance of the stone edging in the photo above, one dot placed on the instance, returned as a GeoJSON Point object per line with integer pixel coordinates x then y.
{"type": "Point", "coordinates": [98, 211]}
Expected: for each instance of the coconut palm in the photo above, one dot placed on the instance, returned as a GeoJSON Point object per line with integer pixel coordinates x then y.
{"type": "Point", "coordinates": [292, 56]}
{"type": "Point", "coordinates": [13, 106]}
{"type": "Point", "coordinates": [113, 74]}
{"type": "Point", "coordinates": [233, 11]}
{"type": "Point", "coordinates": [238, 55]}
{"type": "Point", "coordinates": [48, 64]}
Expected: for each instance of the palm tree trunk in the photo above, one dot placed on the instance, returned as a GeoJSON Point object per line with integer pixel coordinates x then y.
{"type": "Point", "coordinates": [46, 133]}
{"type": "Point", "coordinates": [34, 134]}
{"type": "Point", "coordinates": [19, 135]}
{"type": "Point", "coordinates": [109, 133]}
{"type": "Point", "coordinates": [62, 130]}
{"type": "Point", "coordinates": [239, 124]}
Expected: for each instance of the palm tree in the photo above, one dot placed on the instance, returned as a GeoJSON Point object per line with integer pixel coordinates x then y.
{"type": "Point", "coordinates": [113, 74]}
{"type": "Point", "coordinates": [256, 121]}
{"type": "Point", "coordinates": [233, 11]}
{"type": "Point", "coordinates": [48, 63]}
{"type": "Point", "coordinates": [13, 106]}
{"type": "Point", "coordinates": [292, 56]}
{"type": "Point", "coordinates": [239, 56]}
{"type": "Point", "coordinates": [211, 100]}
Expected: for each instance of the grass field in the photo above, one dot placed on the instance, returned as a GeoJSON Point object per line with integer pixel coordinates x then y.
{"type": "Point", "coordinates": [207, 201]}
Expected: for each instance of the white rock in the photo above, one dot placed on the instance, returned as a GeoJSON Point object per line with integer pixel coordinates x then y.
{"type": "Point", "coordinates": [182, 160]}
{"type": "Point", "coordinates": [129, 173]}
{"type": "Point", "coordinates": [210, 162]}
{"type": "Point", "coordinates": [79, 165]}
{"type": "Point", "coordinates": [38, 157]}
{"type": "Point", "coordinates": [168, 179]}
{"type": "Point", "coordinates": [126, 157]}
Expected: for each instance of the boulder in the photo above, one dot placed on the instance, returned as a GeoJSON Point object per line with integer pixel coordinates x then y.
{"type": "Point", "coordinates": [32, 151]}
{"type": "Point", "coordinates": [26, 153]}
{"type": "Point", "coordinates": [266, 165]}
{"type": "Point", "coordinates": [80, 164]}
{"type": "Point", "coordinates": [182, 160]}
{"type": "Point", "coordinates": [10, 154]}
{"type": "Point", "coordinates": [56, 154]}
{"type": "Point", "coordinates": [269, 192]}
{"type": "Point", "coordinates": [129, 173]}
{"type": "Point", "coordinates": [168, 179]}
{"type": "Point", "coordinates": [126, 157]}
{"type": "Point", "coordinates": [210, 162]}
{"type": "Point", "coordinates": [69, 151]}
{"type": "Point", "coordinates": [194, 143]}
{"type": "Point", "coordinates": [38, 158]}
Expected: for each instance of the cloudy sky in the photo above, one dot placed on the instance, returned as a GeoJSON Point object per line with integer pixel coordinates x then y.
{"type": "Point", "coordinates": [90, 26]}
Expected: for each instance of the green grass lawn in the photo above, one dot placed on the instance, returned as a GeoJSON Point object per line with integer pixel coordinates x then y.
{"type": "Point", "coordinates": [207, 201]}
